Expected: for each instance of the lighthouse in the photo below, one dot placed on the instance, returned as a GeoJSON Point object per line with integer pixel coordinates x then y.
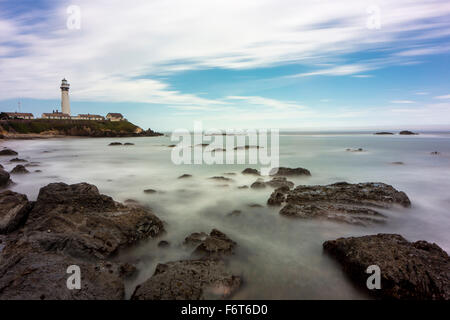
{"type": "Point", "coordinates": [65, 103]}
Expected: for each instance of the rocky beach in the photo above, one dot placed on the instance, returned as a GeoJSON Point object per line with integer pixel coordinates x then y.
{"type": "Point", "coordinates": [141, 228]}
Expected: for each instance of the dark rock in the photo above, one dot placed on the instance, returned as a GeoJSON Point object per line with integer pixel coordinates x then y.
{"type": "Point", "coordinates": [172, 146]}
{"type": "Point", "coordinates": [406, 132]}
{"type": "Point", "coordinates": [251, 171]}
{"type": "Point", "coordinates": [29, 273]}
{"type": "Point", "coordinates": [243, 187]}
{"type": "Point", "coordinates": [1, 167]}
{"type": "Point", "coordinates": [115, 144]}
{"type": "Point", "coordinates": [19, 169]}
{"type": "Point", "coordinates": [247, 147]}
{"type": "Point", "coordinates": [234, 213]}
{"type": "Point", "coordinates": [277, 197]}
{"type": "Point", "coordinates": [4, 178]}
{"type": "Point", "coordinates": [163, 244]}
{"type": "Point", "coordinates": [258, 185]}
{"type": "Point", "coordinates": [72, 225]}
{"type": "Point", "coordinates": [278, 182]}
{"type": "Point", "coordinates": [37, 171]}
{"type": "Point", "coordinates": [183, 176]}
{"type": "Point", "coordinates": [195, 238]}
{"type": "Point", "coordinates": [8, 152]}
{"type": "Point", "coordinates": [282, 171]}
{"type": "Point", "coordinates": [85, 223]}
{"type": "Point", "coordinates": [342, 202]}
{"type": "Point", "coordinates": [18, 160]}
{"type": "Point", "coordinates": [128, 144]}
{"type": "Point", "coordinates": [355, 150]}
{"type": "Point", "coordinates": [383, 133]}
{"type": "Point", "coordinates": [14, 210]}
{"type": "Point", "coordinates": [220, 178]}
{"type": "Point", "coordinates": [216, 245]}
{"type": "Point", "coordinates": [188, 280]}
{"type": "Point", "coordinates": [148, 191]}
{"type": "Point", "coordinates": [127, 270]}
{"type": "Point", "coordinates": [409, 270]}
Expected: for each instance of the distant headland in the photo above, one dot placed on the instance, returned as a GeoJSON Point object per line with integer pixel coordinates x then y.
{"type": "Point", "coordinates": [17, 125]}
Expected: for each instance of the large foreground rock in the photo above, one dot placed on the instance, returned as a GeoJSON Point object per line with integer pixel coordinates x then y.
{"type": "Point", "coordinates": [14, 210]}
{"type": "Point", "coordinates": [409, 270]}
{"type": "Point", "coordinates": [72, 225]}
{"type": "Point", "coordinates": [77, 219]}
{"type": "Point", "coordinates": [32, 274]}
{"type": "Point", "coordinates": [189, 280]}
{"type": "Point", "coordinates": [343, 202]}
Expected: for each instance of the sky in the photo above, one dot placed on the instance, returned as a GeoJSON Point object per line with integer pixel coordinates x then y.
{"type": "Point", "coordinates": [163, 64]}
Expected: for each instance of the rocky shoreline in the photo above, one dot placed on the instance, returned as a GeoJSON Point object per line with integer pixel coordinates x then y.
{"type": "Point", "coordinates": [77, 225]}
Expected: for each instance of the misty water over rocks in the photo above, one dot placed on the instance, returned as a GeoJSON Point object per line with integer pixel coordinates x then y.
{"type": "Point", "coordinates": [277, 257]}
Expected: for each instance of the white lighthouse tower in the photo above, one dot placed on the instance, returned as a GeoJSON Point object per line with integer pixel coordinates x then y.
{"type": "Point", "coordinates": [65, 103]}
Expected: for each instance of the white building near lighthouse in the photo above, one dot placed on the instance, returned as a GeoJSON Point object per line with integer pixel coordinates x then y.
{"type": "Point", "coordinates": [65, 103]}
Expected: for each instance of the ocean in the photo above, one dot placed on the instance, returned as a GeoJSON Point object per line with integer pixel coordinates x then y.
{"type": "Point", "coordinates": [278, 257]}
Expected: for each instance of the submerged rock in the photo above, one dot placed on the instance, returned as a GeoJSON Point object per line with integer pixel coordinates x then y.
{"type": "Point", "coordinates": [234, 213]}
{"type": "Point", "coordinates": [14, 210]}
{"type": "Point", "coordinates": [188, 280]}
{"type": "Point", "coordinates": [355, 150]}
{"type": "Point", "coordinates": [383, 133]}
{"type": "Point", "coordinates": [163, 244]}
{"type": "Point", "coordinates": [128, 144]}
{"type": "Point", "coordinates": [215, 245]}
{"type": "Point", "coordinates": [407, 132]}
{"type": "Point", "coordinates": [18, 160]}
{"type": "Point", "coordinates": [283, 171]}
{"type": "Point", "coordinates": [195, 238]}
{"type": "Point", "coordinates": [19, 169]}
{"type": "Point", "coordinates": [251, 171]}
{"type": "Point", "coordinates": [8, 152]}
{"type": "Point", "coordinates": [409, 270]}
{"type": "Point", "coordinates": [342, 202]}
{"type": "Point", "coordinates": [203, 278]}
{"type": "Point", "coordinates": [220, 178]}
{"type": "Point", "coordinates": [149, 191]}
{"type": "Point", "coordinates": [115, 144]}
{"type": "Point", "coordinates": [259, 184]}
{"type": "Point", "coordinates": [278, 182]}
{"type": "Point", "coordinates": [183, 176]}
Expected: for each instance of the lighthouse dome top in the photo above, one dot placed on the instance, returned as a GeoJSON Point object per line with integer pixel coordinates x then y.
{"type": "Point", "coordinates": [64, 84]}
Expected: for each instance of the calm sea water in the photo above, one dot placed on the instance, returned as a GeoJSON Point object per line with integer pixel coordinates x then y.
{"type": "Point", "coordinates": [278, 258]}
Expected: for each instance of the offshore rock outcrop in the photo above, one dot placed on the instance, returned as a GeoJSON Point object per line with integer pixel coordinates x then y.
{"type": "Point", "coordinates": [286, 172]}
{"type": "Point", "coordinates": [409, 270]}
{"type": "Point", "coordinates": [342, 202]}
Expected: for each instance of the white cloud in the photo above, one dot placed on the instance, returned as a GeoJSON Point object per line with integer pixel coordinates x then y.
{"type": "Point", "coordinates": [447, 96]}
{"type": "Point", "coordinates": [402, 101]}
